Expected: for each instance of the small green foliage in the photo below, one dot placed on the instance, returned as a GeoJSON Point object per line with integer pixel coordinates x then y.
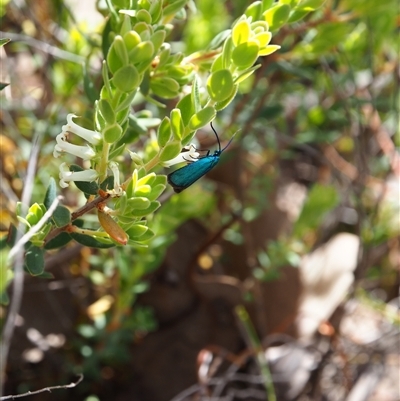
{"type": "Point", "coordinates": [112, 133]}
{"type": "Point", "coordinates": [35, 213]}
{"type": "Point", "coordinates": [131, 40]}
{"type": "Point", "coordinates": [220, 85]}
{"type": "Point", "coordinates": [165, 87]}
{"type": "Point", "coordinates": [164, 132]}
{"type": "Point", "coordinates": [106, 111]}
{"type": "Point", "coordinates": [187, 107]}
{"type": "Point", "coordinates": [276, 16]}
{"type": "Point", "coordinates": [245, 55]}
{"type": "Point", "coordinates": [126, 79]}
{"type": "Point", "coordinates": [177, 127]}
{"type": "Point", "coordinates": [136, 202]}
{"type": "Point", "coordinates": [170, 150]}
{"type": "Point", "coordinates": [241, 32]}
{"type": "Point", "coordinates": [59, 241]}
{"type": "Point", "coordinates": [136, 231]}
{"type": "Point", "coordinates": [4, 41]}
{"type": "Point", "coordinates": [61, 216]}
{"type": "Point", "coordinates": [34, 260]}
{"type": "Point", "coordinates": [254, 10]}
{"type": "Point", "coordinates": [202, 118]}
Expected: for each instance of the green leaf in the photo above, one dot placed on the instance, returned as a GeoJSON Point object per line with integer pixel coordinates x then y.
{"type": "Point", "coordinates": [144, 212]}
{"type": "Point", "coordinates": [121, 50]}
{"type": "Point", "coordinates": [221, 105]}
{"type": "Point", "coordinates": [269, 50]}
{"type": "Point", "coordinates": [160, 179]}
{"type": "Point", "coordinates": [156, 191]}
{"type": "Point", "coordinates": [156, 11]}
{"type": "Point", "coordinates": [177, 127]}
{"type": "Point", "coordinates": [227, 53]}
{"type": "Point", "coordinates": [321, 199]}
{"type": "Point", "coordinates": [146, 179]}
{"type": "Point", "coordinates": [117, 55]}
{"type": "Point", "coordinates": [195, 96]}
{"type": "Point", "coordinates": [241, 32]}
{"type": "Point", "coordinates": [164, 132]}
{"type": "Point", "coordinates": [131, 40]}
{"type": "Point", "coordinates": [59, 241]}
{"type": "Point", "coordinates": [136, 231]}
{"type": "Point", "coordinates": [219, 39]}
{"type": "Point", "coordinates": [34, 260]}
{"type": "Point", "coordinates": [126, 79]}
{"type": "Point", "coordinates": [185, 105]}
{"type": "Point", "coordinates": [143, 52]}
{"type": "Point", "coordinates": [164, 87]}
{"type": "Point", "coordinates": [266, 4]}
{"type": "Point", "coordinates": [254, 10]}
{"type": "Point", "coordinates": [3, 85]}
{"type": "Point", "coordinates": [106, 111]}
{"type": "Point", "coordinates": [291, 3]}
{"type": "Point", "coordinates": [51, 193]}
{"type": "Point", "coordinates": [35, 213]}
{"type": "Point", "coordinates": [142, 190]}
{"type": "Point", "coordinates": [108, 183]}
{"type": "Point", "coordinates": [245, 74]}
{"type": "Point", "coordinates": [297, 15]}
{"type": "Point", "coordinates": [245, 55]}
{"type": "Point", "coordinates": [202, 118]}
{"type": "Point", "coordinates": [138, 203]}
{"type": "Point", "coordinates": [112, 133]}
{"type": "Point", "coordinates": [61, 216]}
{"type": "Point", "coordinates": [90, 241]}
{"type": "Point", "coordinates": [4, 41]}
{"type": "Point", "coordinates": [170, 151]}
{"type": "Point", "coordinates": [174, 7]}
{"type": "Point", "coordinates": [158, 39]}
{"type": "Point", "coordinates": [276, 16]}
{"type": "Point", "coordinates": [218, 63]}
{"type": "Point", "coordinates": [143, 15]}
{"type": "Point", "coordinates": [146, 236]}
{"type": "Point", "coordinates": [220, 85]}
{"type": "Point", "coordinates": [309, 5]}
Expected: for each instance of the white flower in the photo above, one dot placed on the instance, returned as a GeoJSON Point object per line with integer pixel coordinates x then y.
{"type": "Point", "coordinates": [117, 186]}
{"type": "Point", "coordinates": [187, 155]}
{"type": "Point", "coordinates": [84, 152]}
{"type": "Point", "coordinates": [66, 175]}
{"type": "Point", "coordinates": [92, 137]}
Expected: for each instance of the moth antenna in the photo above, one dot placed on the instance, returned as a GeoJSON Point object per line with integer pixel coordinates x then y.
{"type": "Point", "coordinates": [230, 140]}
{"type": "Point", "coordinates": [215, 132]}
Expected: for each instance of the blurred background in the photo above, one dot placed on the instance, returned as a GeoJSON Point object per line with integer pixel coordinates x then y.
{"type": "Point", "coordinates": [287, 252]}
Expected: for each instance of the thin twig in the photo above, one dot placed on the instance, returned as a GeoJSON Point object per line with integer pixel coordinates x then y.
{"type": "Point", "coordinates": [45, 47]}
{"type": "Point", "coordinates": [80, 212]}
{"type": "Point", "coordinates": [42, 390]}
{"type": "Point", "coordinates": [18, 283]}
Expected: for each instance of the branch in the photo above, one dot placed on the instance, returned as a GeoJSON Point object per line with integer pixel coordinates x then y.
{"type": "Point", "coordinates": [64, 386]}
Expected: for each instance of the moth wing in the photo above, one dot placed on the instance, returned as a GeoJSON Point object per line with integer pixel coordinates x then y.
{"type": "Point", "coordinates": [184, 177]}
